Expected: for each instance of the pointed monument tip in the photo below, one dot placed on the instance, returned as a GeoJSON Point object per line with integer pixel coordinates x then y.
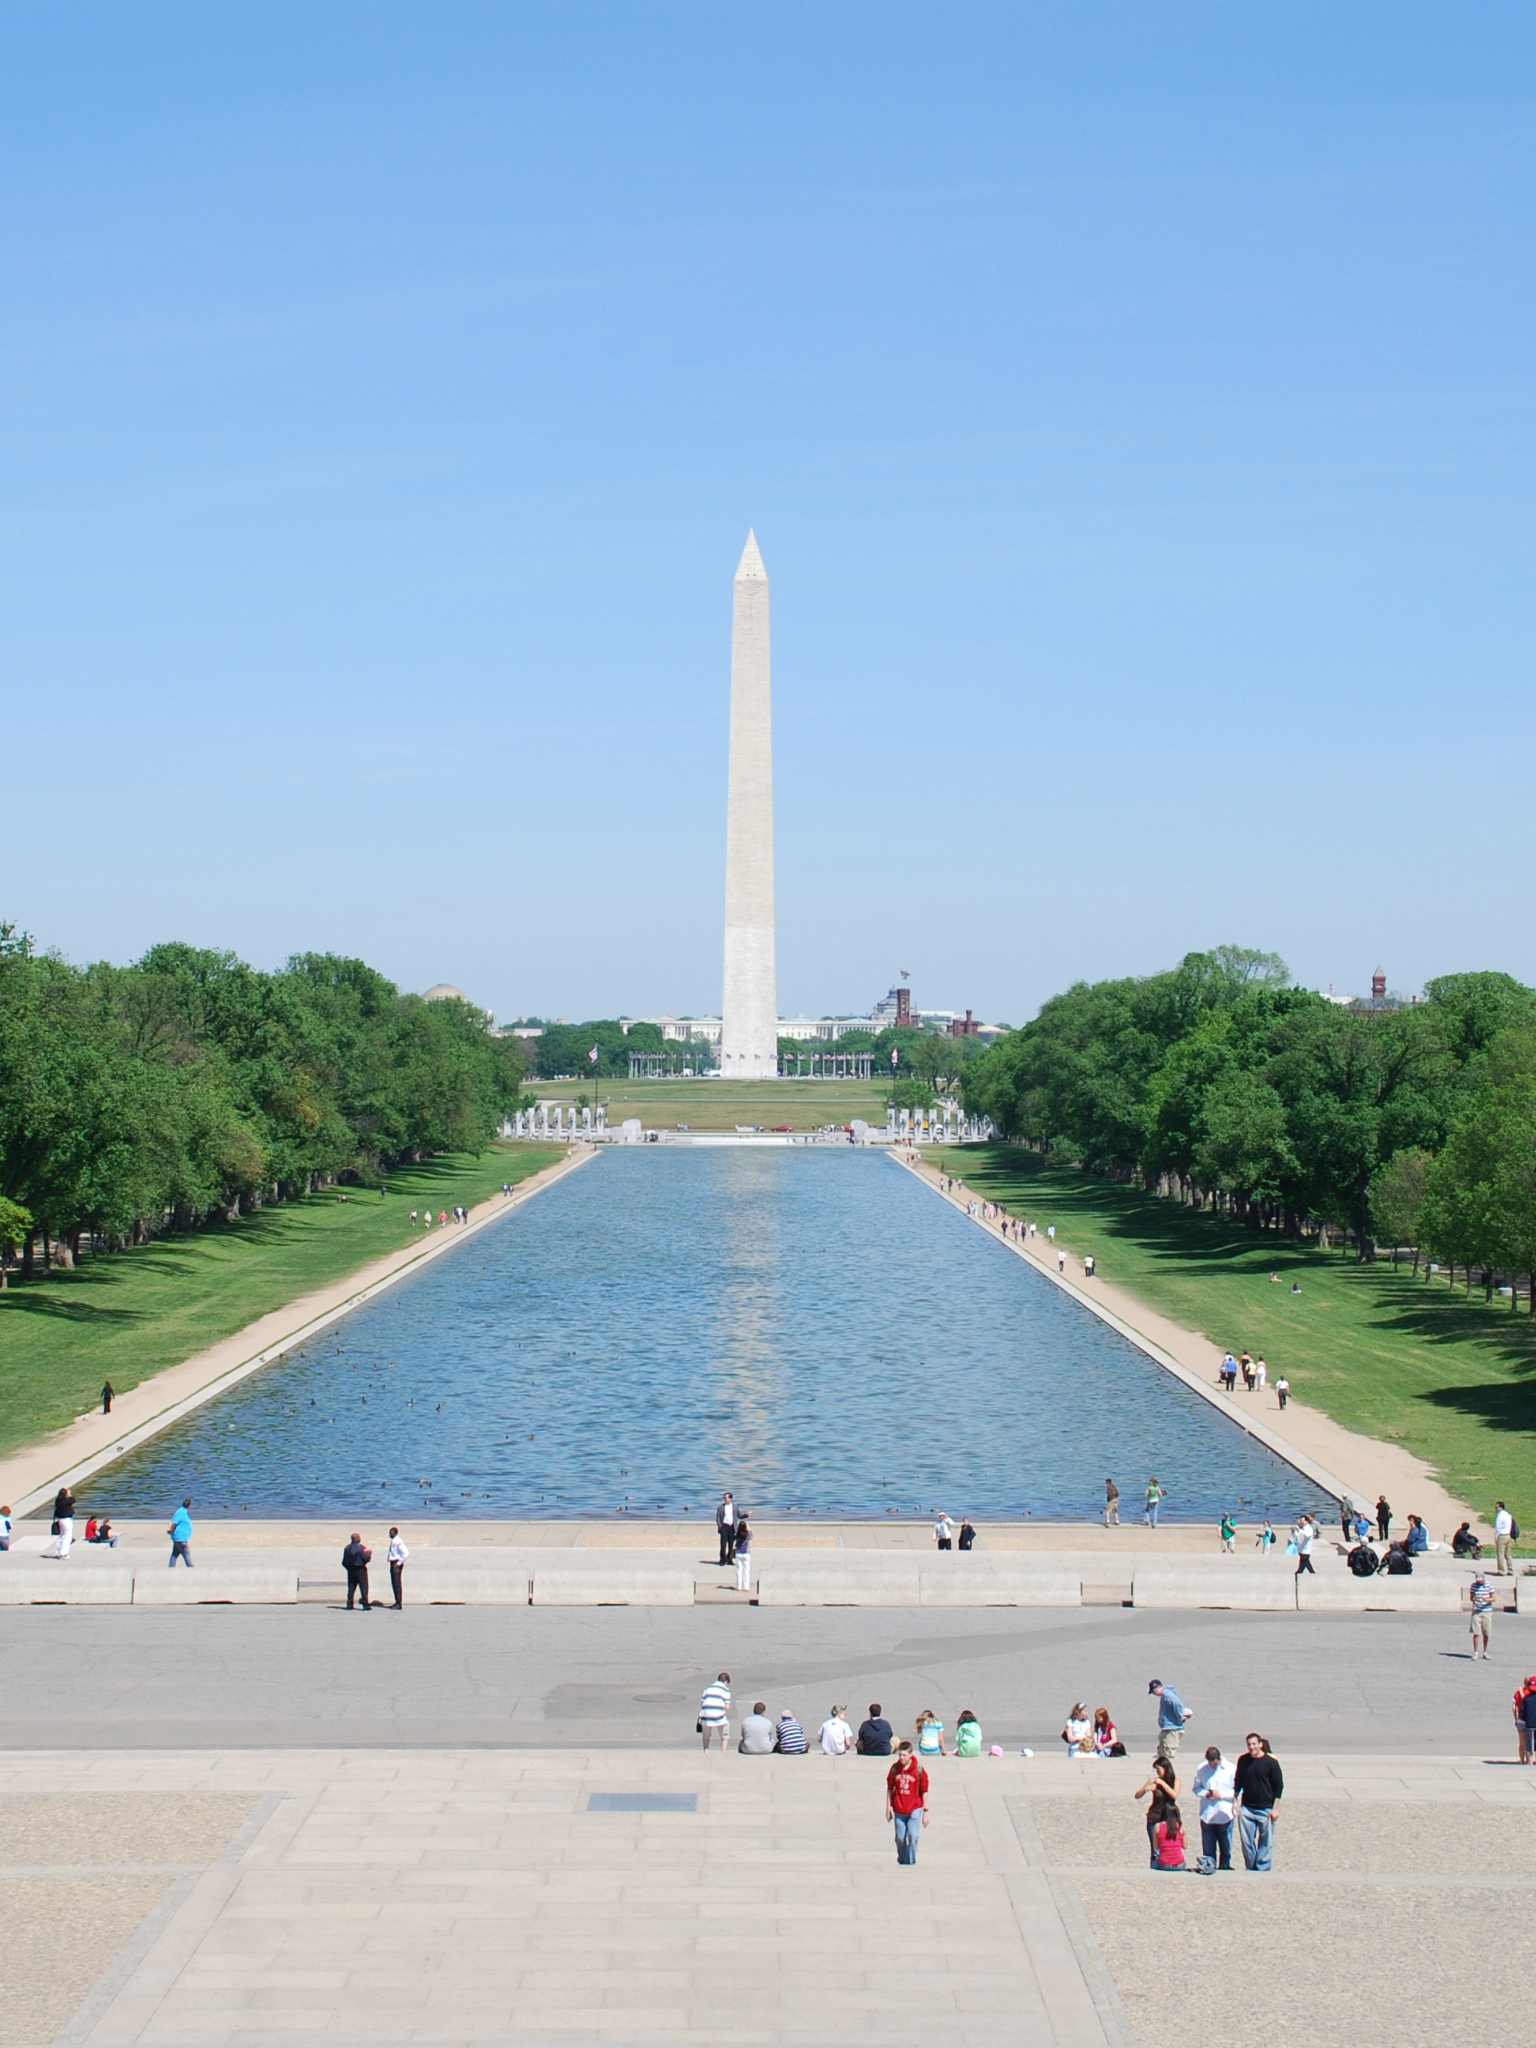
{"type": "Point", "coordinates": [751, 563]}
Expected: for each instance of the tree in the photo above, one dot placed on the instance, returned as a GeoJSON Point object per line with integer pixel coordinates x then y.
{"type": "Point", "coordinates": [907, 1092]}
{"type": "Point", "coordinates": [1398, 1190]}
{"type": "Point", "coordinates": [15, 1229]}
{"type": "Point", "coordinates": [1480, 1201]}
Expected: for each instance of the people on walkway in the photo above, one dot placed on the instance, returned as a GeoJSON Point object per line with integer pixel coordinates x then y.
{"type": "Point", "coordinates": [1301, 1543]}
{"type": "Point", "coordinates": [398, 1555]}
{"type": "Point", "coordinates": [943, 1531]}
{"type": "Point", "coordinates": [1171, 1717]}
{"type": "Point", "coordinates": [756, 1732]}
{"type": "Point", "coordinates": [1282, 1390]}
{"type": "Point", "coordinates": [966, 1540]}
{"type": "Point", "coordinates": [1111, 1505]}
{"type": "Point", "coordinates": [715, 1711]}
{"type": "Point", "coordinates": [63, 1522]}
{"type": "Point", "coordinates": [1259, 1784]}
{"type": "Point", "coordinates": [356, 1558]}
{"type": "Point", "coordinates": [835, 1735]}
{"type": "Point", "coordinates": [789, 1735]}
{"type": "Point", "coordinates": [1215, 1786]}
{"type": "Point", "coordinates": [1229, 1535]}
{"type": "Point", "coordinates": [108, 1396]}
{"type": "Point", "coordinates": [180, 1533]}
{"type": "Point", "coordinates": [1158, 1790]}
{"type": "Point", "coordinates": [1226, 1374]}
{"type": "Point", "coordinates": [1266, 1539]}
{"type": "Point", "coordinates": [1383, 1518]}
{"type": "Point", "coordinates": [875, 1733]}
{"type": "Point", "coordinates": [930, 1733]}
{"type": "Point", "coordinates": [743, 1554]}
{"type": "Point", "coordinates": [1525, 1720]}
{"type": "Point", "coordinates": [1503, 1541]}
{"type": "Point", "coordinates": [1156, 1495]}
{"type": "Point", "coordinates": [1482, 1617]}
{"type": "Point", "coordinates": [5, 1528]}
{"type": "Point", "coordinates": [725, 1528]}
{"type": "Point", "coordinates": [1168, 1839]}
{"type": "Point", "coordinates": [906, 1802]}
{"type": "Point", "coordinates": [1260, 1373]}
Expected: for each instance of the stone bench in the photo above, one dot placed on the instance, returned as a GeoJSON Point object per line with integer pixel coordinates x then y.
{"type": "Point", "coordinates": [612, 1585]}
{"type": "Point", "coordinates": [206, 1585]}
{"type": "Point", "coordinates": [31, 1584]}
{"type": "Point", "coordinates": [1254, 1590]}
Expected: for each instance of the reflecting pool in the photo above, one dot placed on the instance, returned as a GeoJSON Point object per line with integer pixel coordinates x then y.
{"type": "Point", "coordinates": [813, 1329]}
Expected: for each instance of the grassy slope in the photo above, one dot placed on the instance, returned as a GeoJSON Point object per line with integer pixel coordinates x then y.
{"type": "Point", "coordinates": [1406, 1360]}
{"type": "Point", "coordinates": [721, 1105]}
{"type": "Point", "coordinates": [125, 1316]}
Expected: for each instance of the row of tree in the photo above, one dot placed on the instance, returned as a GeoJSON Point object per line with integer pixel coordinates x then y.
{"type": "Point", "coordinates": [1221, 1083]}
{"type": "Point", "coordinates": [924, 1059]}
{"type": "Point", "coordinates": [190, 1086]}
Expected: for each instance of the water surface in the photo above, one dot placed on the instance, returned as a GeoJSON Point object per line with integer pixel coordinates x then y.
{"type": "Point", "coordinates": [813, 1329]}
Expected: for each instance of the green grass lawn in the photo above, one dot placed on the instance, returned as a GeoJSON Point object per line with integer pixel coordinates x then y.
{"type": "Point", "coordinates": [721, 1105]}
{"type": "Point", "coordinates": [125, 1315]}
{"type": "Point", "coordinates": [1408, 1360]}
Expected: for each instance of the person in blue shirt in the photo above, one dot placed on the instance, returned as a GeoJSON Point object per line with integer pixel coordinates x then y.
{"type": "Point", "coordinates": [1417, 1541]}
{"type": "Point", "coordinates": [1171, 1716]}
{"type": "Point", "coordinates": [180, 1533]}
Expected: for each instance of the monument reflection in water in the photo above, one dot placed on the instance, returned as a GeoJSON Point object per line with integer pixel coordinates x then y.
{"type": "Point", "coordinates": [810, 1328]}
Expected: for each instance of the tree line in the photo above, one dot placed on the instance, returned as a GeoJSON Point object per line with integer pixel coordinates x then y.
{"type": "Point", "coordinates": [926, 1061]}
{"type": "Point", "coordinates": [190, 1087]}
{"type": "Point", "coordinates": [1220, 1084]}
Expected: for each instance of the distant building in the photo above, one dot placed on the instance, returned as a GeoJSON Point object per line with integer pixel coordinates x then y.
{"type": "Point", "coordinates": [442, 992]}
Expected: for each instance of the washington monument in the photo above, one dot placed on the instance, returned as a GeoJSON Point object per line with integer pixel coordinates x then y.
{"type": "Point", "coordinates": [749, 1015]}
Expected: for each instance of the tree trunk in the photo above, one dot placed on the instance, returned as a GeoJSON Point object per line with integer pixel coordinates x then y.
{"type": "Point", "coordinates": [29, 1256]}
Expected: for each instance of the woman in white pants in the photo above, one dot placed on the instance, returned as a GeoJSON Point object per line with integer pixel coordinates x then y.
{"type": "Point", "coordinates": [64, 1521]}
{"type": "Point", "coordinates": [743, 1558]}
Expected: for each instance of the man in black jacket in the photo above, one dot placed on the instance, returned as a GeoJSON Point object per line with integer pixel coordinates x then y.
{"type": "Point", "coordinates": [356, 1558]}
{"type": "Point", "coordinates": [1259, 1785]}
{"type": "Point", "coordinates": [875, 1734]}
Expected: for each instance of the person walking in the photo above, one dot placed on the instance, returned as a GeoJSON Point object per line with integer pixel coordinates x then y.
{"type": "Point", "coordinates": [715, 1711]}
{"type": "Point", "coordinates": [1383, 1518]}
{"type": "Point", "coordinates": [1503, 1541]}
{"type": "Point", "coordinates": [1111, 1505]}
{"type": "Point", "coordinates": [1264, 1542]}
{"type": "Point", "coordinates": [1282, 1391]}
{"type": "Point", "coordinates": [1260, 1374]}
{"type": "Point", "coordinates": [398, 1554]}
{"type": "Point", "coordinates": [1525, 1720]}
{"type": "Point", "coordinates": [725, 1528]}
{"type": "Point", "coordinates": [743, 1555]}
{"type": "Point", "coordinates": [356, 1558]}
{"type": "Point", "coordinates": [1301, 1538]}
{"type": "Point", "coordinates": [63, 1521]}
{"type": "Point", "coordinates": [5, 1528]}
{"type": "Point", "coordinates": [1215, 1785]}
{"type": "Point", "coordinates": [1171, 1717]}
{"type": "Point", "coordinates": [1229, 1535]}
{"type": "Point", "coordinates": [108, 1396]}
{"type": "Point", "coordinates": [1259, 1784]}
{"type": "Point", "coordinates": [1156, 1495]}
{"type": "Point", "coordinates": [1482, 1617]}
{"type": "Point", "coordinates": [180, 1533]}
{"type": "Point", "coordinates": [906, 1802]}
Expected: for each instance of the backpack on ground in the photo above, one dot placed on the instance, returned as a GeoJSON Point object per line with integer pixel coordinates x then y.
{"type": "Point", "coordinates": [1204, 1866]}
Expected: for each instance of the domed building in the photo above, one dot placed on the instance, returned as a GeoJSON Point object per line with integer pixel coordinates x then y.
{"type": "Point", "coordinates": [444, 991]}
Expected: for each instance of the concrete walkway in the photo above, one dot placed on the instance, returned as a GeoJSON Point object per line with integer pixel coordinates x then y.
{"type": "Point", "coordinates": [249, 1899]}
{"type": "Point", "coordinates": [30, 1477]}
{"type": "Point", "coordinates": [1338, 1459]}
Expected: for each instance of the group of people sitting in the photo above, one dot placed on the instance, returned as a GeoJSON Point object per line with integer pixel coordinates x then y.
{"type": "Point", "coordinates": [1397, 1559]}
{"type": "Point", "coordinates": [761, 1735]}
{"type": "Point", "coordinates": [1097, 1736]}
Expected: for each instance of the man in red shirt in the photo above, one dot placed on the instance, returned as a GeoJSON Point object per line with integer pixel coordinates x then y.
{"type": "Point", "coordinates": [906, 1801]}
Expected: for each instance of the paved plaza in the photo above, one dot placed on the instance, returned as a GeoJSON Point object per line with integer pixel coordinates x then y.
{"type": "Point", "coordinates": [280, 1825]}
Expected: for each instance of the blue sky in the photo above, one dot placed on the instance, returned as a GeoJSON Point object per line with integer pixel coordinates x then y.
{"type": "Point", "coordinates": [1134, 407]}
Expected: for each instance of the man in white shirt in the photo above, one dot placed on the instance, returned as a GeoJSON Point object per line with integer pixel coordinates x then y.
{"type": "Point", "coordinates": [398, 1553]}
{"type": "Point", "coordinates": [836, 1735]}
{"type": "Point", "coordinates": [1503, 1542]}
{"type": "Point", "coordinates": [1215, 1788]}
{"type": "Point", "coordinates": [944, 1532]}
